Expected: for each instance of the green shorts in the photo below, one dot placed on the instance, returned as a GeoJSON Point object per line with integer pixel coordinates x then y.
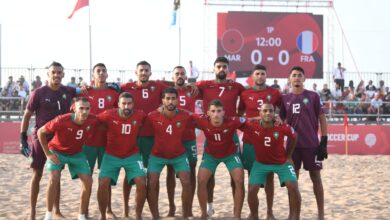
{"type": "Point", "coordinates": [77, 164]}
{"type": "Point", "coordinates": [92, 154]}
{"type": "Point", "coordinates": [192, 153]}
{"type": "Point", "coordinates": [145, 145]}
{"type": "Point", "coordinates": [260, 172]}
{"type": "Point", "coordinates": [248, 156]}
{"type": "Point", "coordinates": [236, 141]}
{"type": "Point", "coordinates": [179, 164]}
{"type": "Point", "coordinates": [112, 165]}
{"type": "Point", "coordinates": [232, 161]}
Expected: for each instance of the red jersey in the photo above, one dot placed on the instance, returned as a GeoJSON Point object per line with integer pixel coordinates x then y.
{"type": "Point", "coordinates": [219, 139]}
{"type": "Point", "coordinates": [227, 92]}
{"type": "Point", "coordinates": [100, 99]}
{"type": "Point", "coordinates": [269, 142]}
{"type": "Point", "coordinates": [168, 133]}
{"type": "Point", "coordinates": [146, 99]}
{"type": "Point", "coordinates": [69, 137]}
{"type": "Point", "coordinates": [252, 99]}
{"type": "Point", "coordinates": [122, 132]}
{"type": "Point", "coordinates": [187, 102]}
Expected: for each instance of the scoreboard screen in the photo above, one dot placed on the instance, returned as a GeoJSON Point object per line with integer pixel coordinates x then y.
{"type": "Point", "coordinates": [275, 40]}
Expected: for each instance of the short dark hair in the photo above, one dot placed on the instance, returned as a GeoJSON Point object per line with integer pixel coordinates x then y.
{"type": "Point", "coordinates": [99, 65]}
{"type": "Point", "coordinates": [81, 99]}
{"type": "Point", "coordinates": [125, 95]}
{"type": "Point", "coordinates": [221, 60]}
{"type": "Point", "coordinates": [179, 67]}
{"type": "Point", "coordinates": [297, 68]}
{"type": "Point", "coordinates": [216, 103]}
{"type": "Point", "coordinates": [143, 62]}
{"type": "Point", "coordinates": [258, 67]}
{"type": "Point", "coordinates": [57, 64]}
{"type": "Point", "coordinates": [170, 90]}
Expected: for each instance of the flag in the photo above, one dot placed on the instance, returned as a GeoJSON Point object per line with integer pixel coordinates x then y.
{"type": "Point", "coordinates": [307, 42]}
{"type": "Point", "coordinates": [79, 4]}
{"type": "Point", "coordinates": [176, 6]}
{"type": "Point", "coordinates": [173, 22]}
{"type": "Point", "coordinates": [346, 132]}
{"type": "Point", "coordinates": [345, 120]}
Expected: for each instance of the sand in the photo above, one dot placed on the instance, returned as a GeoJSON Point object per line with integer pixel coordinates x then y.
{"type": "Point", "coordinates": [356, 187]}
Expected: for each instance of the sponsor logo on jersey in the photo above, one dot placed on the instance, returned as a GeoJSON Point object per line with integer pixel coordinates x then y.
{"type": "Point", "coordinates": [115, 122]}
{"type": "Point", "coordinates": [70, 129]}
{"type": "Point", "coordinates": [225, 131]}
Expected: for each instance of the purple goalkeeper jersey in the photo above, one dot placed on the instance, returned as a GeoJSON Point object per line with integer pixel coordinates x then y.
{"type": "Point", "coordinates": [47, 103]}
{"type": "Point", "coordinates": [302, 113]}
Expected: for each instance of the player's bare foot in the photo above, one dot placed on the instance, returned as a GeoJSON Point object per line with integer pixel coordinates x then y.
{"type": "Point", "coordinates": [125, 213]}
{"type": "Point", "coordinates": [31, 215]}
{"type": "Point", "coordinates": [58, 215]}
{"type": "Point", "coordinates": [250, 217]}
{"type": "Point", "coordinates": [270, 216]}
{"type": "Point", "coordinates": [110, 215]}
{"type": "Point", "coordinates": [203, 217]}
{"type": "Point", "coordinates": [171, 212]}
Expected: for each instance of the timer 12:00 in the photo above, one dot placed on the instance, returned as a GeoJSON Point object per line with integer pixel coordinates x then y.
{"type": "Point", "coordinates": [268, 42]}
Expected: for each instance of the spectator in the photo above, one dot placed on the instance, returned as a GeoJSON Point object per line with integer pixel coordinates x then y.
{"type": "Point", "coordinates": [15, 104]}
{"type": "Point", "coordinates": [21, 89]}
{"type": "Point", "coordinates": [23, 84]}
{"type": "Point", "coordinates": [339, 76]}
{"type": "Point", "coordinates": [276, 85]}
{"type": "Point", "coordinates": [386, 104]}
{"type": "Point", "coordinates": [360, 89]}
{"type": "Point", "coordinates": [337, 93]}
{"type": "Point", "coordinates": [364, 103]}
{"type": "Point", "coordinates": [118, 81]}
{"type": "Point", "coordinates": [9, 86]}
{"type": "Point", "coordinates": [193, 73]}
{"type": "Point", "coordinates": [4, 103]}
{"type": "Point", "coordinates": [36, 83]}
{"type": "Point", "coordinates": [375, 106]}
{"type": "Point", "coordinates": [315, 88]}
{"type": "Point", "coordinates": [325, 93]}
{"type": "Point", "coordinates": [81, 82]}
{"type": "Point", "coordinates": [72, 82]}
{"type": "Point", "coordinates": [287, 88]}
{"type": "Point", "coordinates": [370, 89]}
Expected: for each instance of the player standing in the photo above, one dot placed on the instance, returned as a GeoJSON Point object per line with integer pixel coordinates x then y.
{"type": "Point", "coordinates": [271, 157]}
{"type": "Point", "coordinates": [219, 131]}
{"type": "Point", "coordinates": [186, 101]}
{"type": "Point", "coordinates": [251, 101]}
{"type": "Point", "coordinates": [46, 102]}
{"type": "Point", "coordinates": [303, 110]}
{"type": "Point", "coordinates": [101, 98]}
{"type": "Point", "coordinates": [70, 132]}
{"type": "Point", "coordinates": [168, 126]}
{"type": "Point", "coordinates": [123, 125]}
{"type": "Point", "coordinates": [226, 91]}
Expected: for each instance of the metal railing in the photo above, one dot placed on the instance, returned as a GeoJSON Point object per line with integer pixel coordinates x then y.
{"type": "Point", "coordinates": [12, 108]}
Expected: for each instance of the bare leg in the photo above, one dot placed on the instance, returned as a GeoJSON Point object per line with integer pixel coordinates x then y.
{"type": "Point", "coordinates": [318, 189]}
{"type": "Point", "coordinates": [238, 176]}
{"type": "Point", "coordinates": [269, 192]}
{"type": "Point", "coordinates": [193, 186]}
{"type": "Point", "coordinates": [103, 196]}
{"type": "Point", "coordinates": [152, 193]}
{"type": "Point", "coordinates": [171, 184]}
{"type": "Point", "coordinates": [110, 213]}
{"type": "Point", "coordinates": [34, 191]}
{"type": "Point", "coordinates": [253, 201]}
{"type": "Point", "coordinates": [85, 192]}
{"type": "Point", "coordinates": [210, 196]}
{"type": "Point", "coordinates": [203, 179]}
{"type": "Point", "coordinates": [289, 197]}
{"type": "Point", "coordinates": [294, 200]}
{"type": "Point", "coordinates": [126, 197]}
{"type": "Point", "coordinates": [54, 178]}
{"type": "Point", "coordinates": [140, 196]}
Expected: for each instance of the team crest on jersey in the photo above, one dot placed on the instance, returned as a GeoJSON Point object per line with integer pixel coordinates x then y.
{"type": "Point", "coordinates": [64, 96]}
{"type": "Point", "coordinates": [88, 127]}
{"type": "Point", "coordinates": [109, 98]}
{"type": "Point", "coordinates": [230, 87]}
{"type": "Point", "coordinates": [134, 122]}
{"type": "Point", "coordinates": [152, 88]}
{"type": "Point", "coordinates": [276, 135]}
{"type": "Point", "coordinates": [178, 124]}
{"type": "Point", "coordinates": [305, 101]}
{"type": "Point", "coordinates": [269, 97]}
{"type": "Point", "coordinates": [225, 131]}
{"type": "Point", "coordinates": [188, 94]}
{"type": "Point", "coordinates": [292, 130]}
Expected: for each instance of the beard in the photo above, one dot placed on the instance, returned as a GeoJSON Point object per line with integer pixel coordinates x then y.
{"type": "Point", "coordinates": [180, 82]}
{"type": "Point", "coordinates": [127, 112]}
{"type": "Point", "coordinates": [171, 108]}
{"type": "Point", "coordinates": [221, 75]}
